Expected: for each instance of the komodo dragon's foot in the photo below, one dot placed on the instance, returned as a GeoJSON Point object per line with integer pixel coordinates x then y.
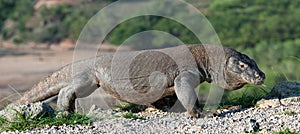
{"type": "Point", "coordinates": [199, 113]}
{"type": "Point", "coordinates": [62, 114]}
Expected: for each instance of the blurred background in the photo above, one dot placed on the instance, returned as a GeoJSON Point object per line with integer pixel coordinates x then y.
{"type": "Point", "coordinates": [38, 36]}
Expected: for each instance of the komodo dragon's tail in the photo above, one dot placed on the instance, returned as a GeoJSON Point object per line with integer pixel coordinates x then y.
{"type": "Point", "coordinates": [48, 87]}
{"type": "Point", "coordinates": [52, 84]}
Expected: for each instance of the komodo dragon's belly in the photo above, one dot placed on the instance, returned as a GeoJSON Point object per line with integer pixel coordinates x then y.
{"type": "Point", "coordinates": [140, 77]}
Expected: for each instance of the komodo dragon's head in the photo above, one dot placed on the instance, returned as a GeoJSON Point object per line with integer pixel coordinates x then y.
{"type": "Point", "coordinates": [241, 70]}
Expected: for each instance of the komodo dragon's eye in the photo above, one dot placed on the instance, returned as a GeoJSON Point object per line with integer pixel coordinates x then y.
{"type": "Point", "coordinates": [243, 65]}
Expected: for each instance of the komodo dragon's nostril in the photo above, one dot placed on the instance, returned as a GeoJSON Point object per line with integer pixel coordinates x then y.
{"type": "Point", "coordinates": [263, 76]}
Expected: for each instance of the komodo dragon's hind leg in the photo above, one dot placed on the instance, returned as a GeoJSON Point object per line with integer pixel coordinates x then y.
{"type": "Point", "coordinates": [80, 85]}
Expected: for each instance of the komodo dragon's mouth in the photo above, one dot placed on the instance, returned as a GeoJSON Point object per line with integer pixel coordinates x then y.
{"type": "Point", "coordinates": [258, 80]}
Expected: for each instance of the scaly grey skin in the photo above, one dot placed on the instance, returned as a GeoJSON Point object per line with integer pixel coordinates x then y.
{"type": "Point", "coordinates": [143, 77]}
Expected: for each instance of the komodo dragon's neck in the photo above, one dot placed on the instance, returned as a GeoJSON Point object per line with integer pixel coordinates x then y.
{"type": "Point", "coordinates": [211, 61]}
{"type": "Point", "coordinates": [202, 60]}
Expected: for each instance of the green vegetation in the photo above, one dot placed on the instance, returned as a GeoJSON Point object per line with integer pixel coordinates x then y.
{"type": "Point", "coordinates": [23, 123]}
{"type": "Point", "coordinates": [247, 97]}
{"type": "Point", "coordinates": [286, 131]}
{"type": "Point", "coordinates": [234, 21]}
{"type": "Point", "coordinates": [144, 23]}
{"type": "Point", "coordinates": [20, 22]}
{"type": "Point", "coordinates": [248, 23]}
{"type": "Point", "coordinates": [130, 107]}
{"type": "Point", "coordinates": [14, 17]}
{"type": "Point", "coordinates": [130, 115]}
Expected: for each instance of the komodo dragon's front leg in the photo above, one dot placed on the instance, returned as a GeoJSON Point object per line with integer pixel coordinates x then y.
{"type": "Point", "coordinates": [185, 85]}
{"type": "Point", "coordinates": [81, 85]}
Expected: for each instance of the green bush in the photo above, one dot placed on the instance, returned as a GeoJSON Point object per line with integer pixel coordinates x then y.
{"type": "Point", "coordinates": [6, 7]}
{"type": "Point", "coordinates": [139, 24]}
{"type": "Point", "coordinates": [246, 23]}
{"type": "Point", "coordinates": [45, 24]}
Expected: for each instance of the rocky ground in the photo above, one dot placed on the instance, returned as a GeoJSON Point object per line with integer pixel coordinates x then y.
{"type": "Point", "coordinates": [259, 119]}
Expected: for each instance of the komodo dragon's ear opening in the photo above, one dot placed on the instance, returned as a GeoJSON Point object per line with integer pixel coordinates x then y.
{"type": "Point", "coordinates": [232, 61]}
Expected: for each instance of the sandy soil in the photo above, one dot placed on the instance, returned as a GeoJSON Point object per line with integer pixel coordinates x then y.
{"type": "Point", "coordinates": [22, 67]}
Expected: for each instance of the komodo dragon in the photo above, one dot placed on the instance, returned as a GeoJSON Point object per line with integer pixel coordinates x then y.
{"type": "Point", "coordinates": [143, 77]}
